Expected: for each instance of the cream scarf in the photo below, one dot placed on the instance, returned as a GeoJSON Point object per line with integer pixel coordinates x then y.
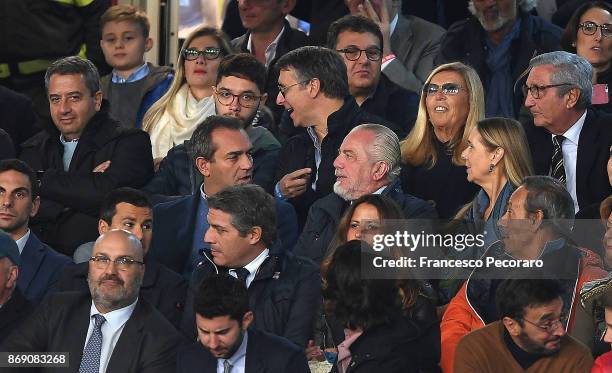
{"type": "Point", "coordinates": [179, 120]}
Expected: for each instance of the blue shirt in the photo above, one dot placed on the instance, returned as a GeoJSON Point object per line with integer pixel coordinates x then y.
{"type": "Point", "coordinates": [137, 75]}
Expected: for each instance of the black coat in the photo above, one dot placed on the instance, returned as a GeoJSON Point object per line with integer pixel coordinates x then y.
{"type": "Point", "coordinates": [13, 313]}
{"type": "Point", "coordinates": [7, 150]}
{"type": "Point", "coordinates": [70, 200]}
{"type": "Point", "coordinates": [266, 353]}
{"type": "Point", "coordinates": [17, 116]}
{"type": "Point", "coordinates": [325, 214]}
{"type": "Point", "coordinates": [592, 183]}
{"type": "Point", "coordinates": [148, 342]}
{"type": "Point", "coordinates": [284, 296]}
{"type": "Point", "coordinates": [161, 287]}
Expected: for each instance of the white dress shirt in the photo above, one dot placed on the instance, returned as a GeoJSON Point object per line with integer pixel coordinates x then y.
{"type": "Point", "coordinates": [570, 154]}
{"type": "Point", "coordinates": [111, 330]}
{"type": "Point", "coordinates": [22, 241]}
{"type": "Point", "coordinates": [252, 267]}
{"type": "Point", "coordinates": [270, 50]}
{"type": "Point", "coordinates": [238, 359]}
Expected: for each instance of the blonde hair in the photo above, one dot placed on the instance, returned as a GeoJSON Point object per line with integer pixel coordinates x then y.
{"type": "Point", "coordinates": [155, 112]}
{"type": "Point", "coordinates": [126, 13]}
{"type": "Point", "coordinates": [418, 147]}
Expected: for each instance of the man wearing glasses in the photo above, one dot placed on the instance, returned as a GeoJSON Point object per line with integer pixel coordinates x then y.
{"type": "Point", "coordinates": [536, 226]}
{"type": "Point", "coordinates": [529, 337]}
{"type": "Point", "coordinates": [569, 140]}
{"type": "Point", "coordinates": [91, 326]}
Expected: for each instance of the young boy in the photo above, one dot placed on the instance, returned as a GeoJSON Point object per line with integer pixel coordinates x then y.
{"type": "Point", "coordinates": [133, 86]}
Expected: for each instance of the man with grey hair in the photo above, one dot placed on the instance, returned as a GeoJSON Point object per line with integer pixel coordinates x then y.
{"type": "Point", "coordinates": [568, 140]}
{"type": "Point", "coordinates": [91, 326]}
{"type": "Point", "coordinates": [535, 226]}
{"type": "Point", "coordinates": [368, 163]}
{"type": "Point", "coordinates": [498, 42]}
{"type": "Point", "coordinates": [81, 156]}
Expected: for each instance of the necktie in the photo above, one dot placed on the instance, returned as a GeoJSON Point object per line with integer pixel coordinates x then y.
{"type": "Point", "coordinates": [227, 367]}
{"type": "Point", "coordinates": [90, 363]}
{"type": "Point", "coordinates": [557, 169]}
{"type": "Point", "coordinates": [242, 274]}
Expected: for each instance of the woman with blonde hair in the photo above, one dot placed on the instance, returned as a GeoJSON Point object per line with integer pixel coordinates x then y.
{"type": "Point", "coordinates": [188, 101]}
{"type": "Point", "coordinates": [451, 104]}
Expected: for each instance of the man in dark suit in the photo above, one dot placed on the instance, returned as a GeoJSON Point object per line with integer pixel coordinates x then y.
{"type": "Point", "coordinates": [221, 152]}
{"type": "Point", "coordinates": [568, 140]}
{"type": "Point", "coordinates": [110, 329]}
{"type": "Point", "coordinates": [225, 342]}
{"type": "Point", "coordinates": [40, 265]}
{"type": "Point", "coordinates": [14, 308]}
{"type": "Point", "coordinates": [129, 209]}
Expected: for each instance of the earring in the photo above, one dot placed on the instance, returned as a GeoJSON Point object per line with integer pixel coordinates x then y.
{"type": "Point", "coordinates": [491, 166]}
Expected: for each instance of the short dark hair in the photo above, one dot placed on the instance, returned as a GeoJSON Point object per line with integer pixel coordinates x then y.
{"type": "Point", "coordinates": [354, 301]}
{"type": "Point", "coordinates": [221, 295]}
{"type": "Point", "coordinates": [550, 196]}
{"type": "Point", "coordinates": [22, 167]}
{"type": "Point", "coordinates": [125, 194]}
{"type": "Point", "coordinates": [75, 65]}
{"type": "Point", "coordinates": [250, 206]}
{"type": "Point", "coordinates": [353, 23]}
{"type": "Point", "coordinates": [201, 143]}
{"type": "Point", "coordinates": [319, 63]}
{"type": "Point", "coordinates": [243, 66]}
{"type": "Point", "coordinates": [570, 35]}
{"type": "Point", "coordinates": [514, 296]}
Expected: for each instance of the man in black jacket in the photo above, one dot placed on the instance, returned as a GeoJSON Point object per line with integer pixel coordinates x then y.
{"type": "Point", "coordinates": [80, 159]}
{"type": "Point", "coordinates": [284, 290]}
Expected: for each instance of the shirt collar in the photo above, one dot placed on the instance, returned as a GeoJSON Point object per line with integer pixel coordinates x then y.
{"type": "Point", "coordinates": [137, 75]}
{"type": "Point", "coordinates": [393, 24]}
{"type": "Point", "coordinates": [65, 142]}
{"type": "Point", "coordinates": [22, 241]}
{"type": "Point", "coordinates": [380, 190]}
{"type": "Point", "coordinates": [115, 319]}
{"type": "Point", "coordinates": [270, 50]}
{"type": "Point", "coordinates": [253, 266]}
{"type": "Point", "coordinates": [240, 352]}
{"type": "Point", "coordinates": [573, 133]}
{"type": "Point", "coordinates": [202, 193]}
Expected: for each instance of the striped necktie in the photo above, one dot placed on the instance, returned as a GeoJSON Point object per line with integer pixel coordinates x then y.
{"type": "Point", "coordinates": [557, 169]}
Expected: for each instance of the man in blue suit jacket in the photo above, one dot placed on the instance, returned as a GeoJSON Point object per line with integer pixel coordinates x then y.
{"type": "Point", "coordinates": [225, 342]}
{"type": "Point", "coordinates": [19, 201]}
{"type": "Point", "coordinates": [221, 152]}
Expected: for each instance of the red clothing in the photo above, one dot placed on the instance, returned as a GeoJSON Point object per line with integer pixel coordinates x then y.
{"type": "Point", "coordinates": [603, 364]}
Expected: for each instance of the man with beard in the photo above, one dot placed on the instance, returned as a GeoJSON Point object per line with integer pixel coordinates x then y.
{"type": "Point", "coordinates": [498, 42]}
{"type": "Point", "coordinates": [529, 337]}
{"type": "Point", "coordinates": [90, 327]}
{"type": "Point", "coordinates": [225, 342]}
{"type": "Point", "coordinates": [239, 93]}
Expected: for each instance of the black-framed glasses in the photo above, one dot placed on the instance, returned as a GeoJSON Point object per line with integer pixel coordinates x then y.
{"type": "Point", "coordinates": [354, 53]}
{"type": "Point", "coordinates": [283, 90]}
{"type": "Point", "coordinates": [537, 91]}
{"type": "Point", "coordinates": [225, 97]}
{"type": "Point", "coordinates": [431, 89]}
{"type": "Point", "coordinates": [210, 53]}
{"type": "Point", "coordinates": [550, 325]}
{"type": "Point", "coordinates": [590, 28]}
{"type": "Point", "coordinates": [122, 263]}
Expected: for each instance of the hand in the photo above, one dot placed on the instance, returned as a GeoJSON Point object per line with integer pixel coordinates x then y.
{"type": "Point", "coordinates": [381, 18]}
{"type": "Point", "coordinates": [156, 163]}
{"type": "Point", "coordinates": [313, 352]}
{"type": "Point", "coordinates": [295, 183]}
{"type": "Point", "coordinates": [102, 166]}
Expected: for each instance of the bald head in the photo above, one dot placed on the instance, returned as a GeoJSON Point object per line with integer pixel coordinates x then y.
{"type": "Point", "coordinates": [119, 238]}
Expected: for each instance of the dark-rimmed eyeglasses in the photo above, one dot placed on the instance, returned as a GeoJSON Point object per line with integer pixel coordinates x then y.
{"type": "Point", "coordinates": [283, 90]}
{"type": "Point", "coordinates": [431, 89]}
{"type": "Point", "coordinates": [550, 325]}
{"type": "Point", "coordinates": [590, 28]}
{"type": "Point", "coordinates": [122, 263]}
{"type": "Point", "coordinates": [353, 53]}
{"type": "Point", "coordinates": [537, 91]}
{"type": "Point", "coordinates": [210, 53]}
{"type": "Point", "coordinates": [226, 98]}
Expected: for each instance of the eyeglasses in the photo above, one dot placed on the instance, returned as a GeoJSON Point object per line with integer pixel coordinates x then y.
{"type": "Point", "coordinates": [226, 98]}
{"type": "Point", "coordinates": [590, 28]}
{"type": "Point", "coordinates": [550, 325]}
{"type": "Point", "coordinates": [431, 89]}
{"type": "Point", "coordinates": [538, 90]}
{"type": "Point", "coordinates": [353, 53]}
{"type": "Point", "coordinates": [283, 90]}
{"type": "Point", "coordinates": [123, 263]}
{"type": "Point", "coordinates": [210, 53]}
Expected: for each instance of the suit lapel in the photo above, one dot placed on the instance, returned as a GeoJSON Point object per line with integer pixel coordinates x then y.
{"type": "Point", "coordinates": [253, 363]}
{"type": "Point", "coordinates": [33, 255]}
{"type": "Point", "coordinates": [587, 152]}
{"type": "Point", "coordinates": [129, 340]}
{"type": "Point", "coordinates": [401, 40]}
{"type": "Point", "coordinates": [75, 329]}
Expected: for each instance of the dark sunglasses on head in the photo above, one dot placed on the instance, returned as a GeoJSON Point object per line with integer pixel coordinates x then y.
{"type": "Point", "coordinates": [209, 53]}
{"type": "Point", "coordinates": [447, 88]}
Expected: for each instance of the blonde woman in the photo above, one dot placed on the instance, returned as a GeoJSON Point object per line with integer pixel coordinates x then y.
{"type": "Point", "coordinates": [172, 119]}
{"type": "Point", "coordinates": [451, 104]}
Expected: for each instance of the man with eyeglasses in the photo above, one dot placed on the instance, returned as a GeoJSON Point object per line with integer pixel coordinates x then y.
{"type": "Point", "coordinates": [530, 335]}
{"type": "Point", "coordinates": [536, 226]}
{"type": "Point", "coordinates": [360, 42]}
{"type": "Point", "coordinates": [498, 42]}
{"type": "Point", "coordinates": [238, 93]}
{"type": "Point", "coordinates": [569, 140]}
{"type": "Point", "coordinates": [108, 329]}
